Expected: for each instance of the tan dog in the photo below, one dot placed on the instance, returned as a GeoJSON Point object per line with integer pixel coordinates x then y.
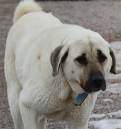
{"type": "Point", "coordinates": [47, 63]}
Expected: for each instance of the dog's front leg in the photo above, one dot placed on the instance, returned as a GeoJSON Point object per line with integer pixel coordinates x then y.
{"type": "Point", "coordinates": [29, 116]}
{"type": "Point", "coordinates": [79, 116]}
{"type": "Point", "coordinates": [73, 124]}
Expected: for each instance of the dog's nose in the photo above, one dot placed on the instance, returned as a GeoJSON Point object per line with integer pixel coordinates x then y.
{"type": "Point", "coordinates": [97, 81]}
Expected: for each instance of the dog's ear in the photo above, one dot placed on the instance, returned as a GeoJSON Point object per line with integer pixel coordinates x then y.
{"type": "Point", "coordinates": [113, 67]}
{"type": "Point", "coordinates": [58, 57]}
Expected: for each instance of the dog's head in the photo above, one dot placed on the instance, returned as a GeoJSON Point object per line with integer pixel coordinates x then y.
{"type": "Point", "coordinates": [85, 62]}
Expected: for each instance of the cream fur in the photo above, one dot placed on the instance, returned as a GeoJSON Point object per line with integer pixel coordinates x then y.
{"type": "Point", "coordinates": [30, 85]}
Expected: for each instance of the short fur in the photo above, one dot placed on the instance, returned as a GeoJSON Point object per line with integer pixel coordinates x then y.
{"type": "Point", "coordinates": [29, 63]}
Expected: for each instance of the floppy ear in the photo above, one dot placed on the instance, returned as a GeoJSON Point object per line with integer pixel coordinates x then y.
{"type": "Point", "coordinates": [113, 67]}
{"type": "Point", "coordinates": [58, 56]}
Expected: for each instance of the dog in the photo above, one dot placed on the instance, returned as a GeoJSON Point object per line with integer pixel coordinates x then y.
{"type": "Point", "coordinates": [48, 64]}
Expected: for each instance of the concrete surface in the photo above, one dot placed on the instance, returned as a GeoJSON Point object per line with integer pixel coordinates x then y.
{"type": "Point", "coordinates": [98, 15]}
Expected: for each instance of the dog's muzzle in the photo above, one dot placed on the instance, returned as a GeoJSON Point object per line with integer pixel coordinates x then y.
{"type": "Point", "coordinates": [95, 82]}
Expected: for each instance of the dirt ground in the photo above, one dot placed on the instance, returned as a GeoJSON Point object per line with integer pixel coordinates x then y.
{"type": "Point", "coordinates": [101, 16]}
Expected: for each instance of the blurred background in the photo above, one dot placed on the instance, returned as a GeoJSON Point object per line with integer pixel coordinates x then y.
{"type": "Point", "coordinates": [103, 16]}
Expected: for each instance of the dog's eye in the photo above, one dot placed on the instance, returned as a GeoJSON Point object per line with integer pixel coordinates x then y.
{"type": "Point", "coordinates": [101, 57]}
{"type": "Point", "coordinates": [82, 59]}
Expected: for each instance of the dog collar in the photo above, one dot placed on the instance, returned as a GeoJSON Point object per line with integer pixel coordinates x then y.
{"type": "Point", "coordinates": [80, 98]}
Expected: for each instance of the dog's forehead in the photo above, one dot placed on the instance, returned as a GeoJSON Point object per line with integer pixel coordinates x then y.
{"type": "Point", "coordinates": [78, 48]}
{"type": "Point", "coordinates": [88, 46]}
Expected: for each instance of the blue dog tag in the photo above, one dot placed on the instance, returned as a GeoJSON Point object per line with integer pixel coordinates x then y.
{"type": "Point", "coordinates": [80, 98]}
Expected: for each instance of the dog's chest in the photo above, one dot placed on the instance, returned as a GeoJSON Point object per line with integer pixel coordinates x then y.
{"type": "Point", "coordinates": [44, 99]}
{"type": "Point", "coordinates": [51, 100]}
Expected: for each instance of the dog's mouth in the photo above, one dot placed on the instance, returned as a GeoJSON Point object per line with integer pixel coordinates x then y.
{"type": "Point", "coordinates": [82, 90]}
{"type": "Point", "coordinates": [97, 86]}
{"type": "Point", "coordinates": [96, 82]}
{"type": "Point", "coordinates": [81, 97]}
{"type": "Point", "coordinates": [87, 89]}
{"type": "Point", "coordinates": [90, 88]}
